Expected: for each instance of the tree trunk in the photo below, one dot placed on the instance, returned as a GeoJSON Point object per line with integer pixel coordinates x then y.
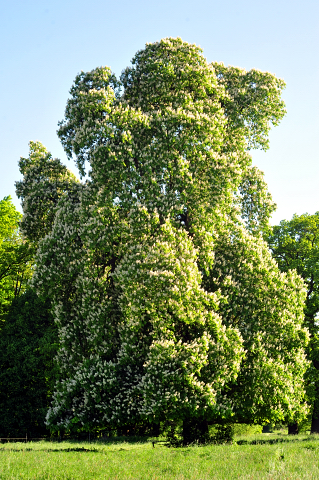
{"type": "Point", "coordinates": [315, 413]}
{"type": "Point", "coordinates": [195, 430]}
{"type": "Point", "coordinates": [315, 425]}
{"type": "Point", "coordinates": [293, 429]}
{"type": "Point", "coordinates": [155, 429]}
{"type": "Point", "coordinates": [267, 428]}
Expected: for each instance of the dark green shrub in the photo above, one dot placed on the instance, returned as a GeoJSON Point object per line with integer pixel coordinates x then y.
{"type": "Point", "coordinates": [222, 433]}
{"type": "Point", "coordinates": [28, 343]}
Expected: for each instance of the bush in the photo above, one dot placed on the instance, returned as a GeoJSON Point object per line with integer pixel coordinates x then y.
{"type": "Point", "coordinates": [242, 429]}
{"type": "Point", "coordinates": [28, 343]}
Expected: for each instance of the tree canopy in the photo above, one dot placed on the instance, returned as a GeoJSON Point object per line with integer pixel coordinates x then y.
{"type": "Point", "coordinates": [295, 246]}
{"type": "Point", "coordinates": [15, 257]}
{"type": "Point", "coordinates": [167, 300]}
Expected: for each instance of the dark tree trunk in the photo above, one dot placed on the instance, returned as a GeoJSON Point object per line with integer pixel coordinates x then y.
{"type": "Point", "coordinates": [293, 429]}
{"type": "Point", "coordinates": [267, 428]}
{"type": "Point", "coordinates": [195, 430]}
{"type": "Point", "coordinates": [315, 425]}
{"type": "Point", "coordinates": [315, 413]}
{"type": "Point", "coordinates": [123, 431]}
{"type": "Point", "coordinates": [155, 429]}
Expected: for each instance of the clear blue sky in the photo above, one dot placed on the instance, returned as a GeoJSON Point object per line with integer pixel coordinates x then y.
{"type": "Point", "coordinates": [44, 44]}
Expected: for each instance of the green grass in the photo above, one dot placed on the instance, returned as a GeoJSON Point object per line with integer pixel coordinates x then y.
{"type": "Point", "coordinates": [284, 458]}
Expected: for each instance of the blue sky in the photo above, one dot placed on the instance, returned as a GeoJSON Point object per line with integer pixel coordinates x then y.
{"type": "Point", "coordinates": [44, 44]}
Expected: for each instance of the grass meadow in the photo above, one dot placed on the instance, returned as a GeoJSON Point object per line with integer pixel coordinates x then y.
{"type": "Point", "coordinates": [261, 456]}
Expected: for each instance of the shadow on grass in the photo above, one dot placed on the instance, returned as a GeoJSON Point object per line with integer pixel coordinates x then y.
{"type": "Point", "coordinates": [151, 441]}
{"type": "Point", "coordinates": [79, 449]}
{"type": "Point", "coordinates": [272, 441]}
{"type": "Point", "coordinates": [123, 439]}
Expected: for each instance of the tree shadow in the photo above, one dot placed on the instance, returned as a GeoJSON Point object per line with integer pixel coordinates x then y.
{"type": "Point", "coordinates": [273, 441]}
{"type": "Point", "coordinates": [78, 449]}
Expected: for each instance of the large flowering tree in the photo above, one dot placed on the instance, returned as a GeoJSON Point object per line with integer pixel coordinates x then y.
{"type": "Point", "coordinates": [167, 300]}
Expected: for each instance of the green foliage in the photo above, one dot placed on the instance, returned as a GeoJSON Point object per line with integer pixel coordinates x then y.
{"type": "Point", "coordinates": [252, 102]}
{"type": "Point", "coordinates": [244, 429]}
{"type": "Point", "coordinates": [167, 306]}
{"type": "Point", "coordinates": [9, 218]}
{"type": "Point", "coordinates": [295, 246]}
{"type": "Point", "coordinates": [28, 343]}
{"type": "Point", "coordinates": [267, 309]}
{"type": "Point", "coordinates": [222, 433]}
{"type": "Point", "coordinates": [15, 257]}
{"type": "Point", "coordinates": [45, 180]}
{"type": "Point", "coordinates": [255, 202]}
{"type": "Point", "coordinates": [305, 425]}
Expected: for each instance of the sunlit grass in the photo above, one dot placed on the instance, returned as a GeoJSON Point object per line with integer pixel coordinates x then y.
{"type": "Point", "coordinates": [293, 458]}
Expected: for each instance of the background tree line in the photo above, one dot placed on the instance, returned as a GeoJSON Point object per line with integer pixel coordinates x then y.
{"type": "Point", "coordinates": [28, 337]}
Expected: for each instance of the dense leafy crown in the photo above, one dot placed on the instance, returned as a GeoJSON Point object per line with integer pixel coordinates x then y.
{"type": "Point", "coordinates": [167, 300]}
{"type": "Point", "coordinates": [295, 245]}
{"type": "Point", "coordinates": [15, 256]}
{"type": "Point", "coordinates": [45, 180]}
